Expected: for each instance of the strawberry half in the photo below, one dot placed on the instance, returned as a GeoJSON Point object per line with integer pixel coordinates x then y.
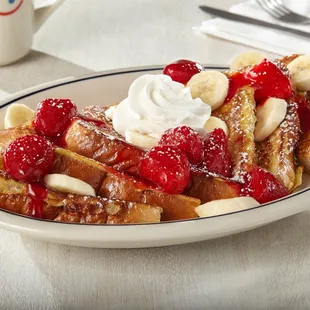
{"type": "Point", "coordinates": [263, 186]}
{"type": "Point", "coordinates": [216, 158]}
{"type": "Point", "coordinates": [182, 70]}
{"type": "Point", "coordinates": [270, 81]}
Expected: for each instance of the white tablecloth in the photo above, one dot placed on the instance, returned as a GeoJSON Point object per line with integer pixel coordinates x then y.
{"type": "Point", "coordinates": [267, 268]}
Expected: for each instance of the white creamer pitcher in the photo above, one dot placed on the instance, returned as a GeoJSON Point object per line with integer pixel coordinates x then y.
{"type": "Point", "coordinates": [18, 22]}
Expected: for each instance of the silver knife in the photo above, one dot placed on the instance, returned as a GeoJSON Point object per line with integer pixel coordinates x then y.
{"type": "Point", "coordinates": [252, 21]}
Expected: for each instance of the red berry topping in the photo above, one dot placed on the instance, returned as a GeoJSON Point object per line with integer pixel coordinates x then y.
{"type": "Point", "coordinates": [29, 158]}
{"type": "Point", "coordinates": [263, 186]}
{"type": "Point", "coordinates": [303, 112]}
{"type": "Point", "coordinates": [216, 158]}
{"type": "Point", "coordinates": [182, 70]}
{"type": "Point", "coordinates": [270, 81]}
{"type": "Point", "coordinates": [53, 116]}
{"type": "Point", "coordinates": [236, 81]}
{"type": "Point", "coordinates": [185, 139]}
{"type": "Point", "coordinates": [167, 167]}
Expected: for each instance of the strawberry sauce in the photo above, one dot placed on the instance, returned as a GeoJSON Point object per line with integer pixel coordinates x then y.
{"type": "Point", "coordinates": [303, 112]}
{"type": "Point", "coordinates": [93, 121]}
{"type": "Point", "coordinates": [237, 81]}
{"type": "Point", "coordinates": [37, 193]}
{"type": "Point", "coordinates": [266, 78]}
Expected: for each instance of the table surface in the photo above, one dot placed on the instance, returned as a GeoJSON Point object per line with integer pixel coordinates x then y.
{"type": "Point", "coordinates": [267, 268]}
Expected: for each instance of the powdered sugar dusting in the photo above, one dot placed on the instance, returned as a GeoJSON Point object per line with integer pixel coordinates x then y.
{"type": "Point", "coordinates": [239, 115]}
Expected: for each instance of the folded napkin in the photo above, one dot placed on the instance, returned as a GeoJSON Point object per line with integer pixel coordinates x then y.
{"type": "Point", "coordinates": [270, 40]}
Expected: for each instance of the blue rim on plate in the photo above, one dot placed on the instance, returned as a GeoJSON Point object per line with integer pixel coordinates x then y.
{"type": "Point", "coordinates": [121, 72]}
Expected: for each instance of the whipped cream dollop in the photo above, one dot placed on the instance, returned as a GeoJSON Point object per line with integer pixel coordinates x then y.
{"type": "Point", "coordinates": [155, 103]}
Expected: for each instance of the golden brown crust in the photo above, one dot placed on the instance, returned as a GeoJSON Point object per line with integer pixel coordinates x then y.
{"type": "Point", "coordinates": [208, 188]}
{"type": "Point", "coordinates": [276, 153]}
{"type": "Point", "coordinates": [9, 135]}
{"type": "Point", "coordinates": [286, 60]}
{"type": "Point", "coordinates": [16, 203]}
{"type": "Point", "coordinates": [239, 115]}
{"type": "Point", "coordinates": [136, 213]}
{"type": "Point", "coordinates": [76, 208]}
{"type": "Point", "coordinates": [103, 145]}
{"type": "Point", "coordinates": [101, 211]}
{"type": "Point", "coordinates": [97, 113]}
{"type": "Point", "coordinates": [175, 207]}
{"type": "Point", "coordinates": [303, 152]}
{"type": "Point", "coordinates": [9, 186]}
{"type": "Point", "coordinates": [79, 167]}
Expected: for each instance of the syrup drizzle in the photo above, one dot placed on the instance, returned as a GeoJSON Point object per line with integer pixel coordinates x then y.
{"type": "Point", "coordinates": [93, 121]}
{"type": "Point", "coordinates": [37, 193]}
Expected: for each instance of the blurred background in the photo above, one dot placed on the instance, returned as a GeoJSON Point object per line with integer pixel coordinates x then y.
{"type": "Point", "coordinates": [82, 36]}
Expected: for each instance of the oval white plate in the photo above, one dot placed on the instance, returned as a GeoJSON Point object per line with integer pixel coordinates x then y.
{"type": "Point", "coordinates": [104, 89]}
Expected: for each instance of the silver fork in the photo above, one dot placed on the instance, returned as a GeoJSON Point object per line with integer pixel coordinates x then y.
{"type": "Point", "coordinates": [278, 10]}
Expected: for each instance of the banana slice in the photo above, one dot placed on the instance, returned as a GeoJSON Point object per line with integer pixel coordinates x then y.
{"type": "Point", "coordinates": [269, 115]}
{"type": "Point", "coordinates": [223, 206]}
{"type": "Point", "coordinates": [210, 86]}
{"type": "Point", "coordinates": [215, 122]}
{"type": "Point", "coordinates": [247, 59]}
{"type": "Point", "coordinates": [17, 114]}
{"type": "Point", "coordinates": [66, 184]}
{"type": "Point", "coordinates": [300, 70]}
{"type": "Point", "coordinates": [140, 140]}
{"type": "Point", "coordinates": [110, 112]}
{"type": "Point", "coordinates": [155, 135]}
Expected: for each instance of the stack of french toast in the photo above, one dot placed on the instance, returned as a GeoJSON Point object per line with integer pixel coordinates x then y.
{"type": "Point", "coordinates": [93, 173]}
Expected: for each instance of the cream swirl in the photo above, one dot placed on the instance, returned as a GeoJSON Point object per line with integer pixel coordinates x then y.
{"type": "Point", "coordinates": [155, 103]}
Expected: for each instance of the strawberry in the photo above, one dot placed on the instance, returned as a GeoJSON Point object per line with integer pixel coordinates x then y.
{"type": "Point", "coordinates": [270, 81]}
{"type": "Point", "coordinates": [263, 186]}
{"type": "Point", "coordinates": [182, 70]}
{"type": "Point", "coordinates": [216, 158]}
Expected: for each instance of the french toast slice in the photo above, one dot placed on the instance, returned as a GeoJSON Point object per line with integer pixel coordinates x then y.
{"type": "Point", "coordinates": [57, 206]}
{"type": "Point", "coordinates": [239, 115]}
{"type": "Point", "coordinates": [102, 144]}
{"type": "Point", "coordinates": [121, 186]}
{"type": "Point", "coordinates": [277, 153]}
{"type": "Point", "coordinates": [118, 185]}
